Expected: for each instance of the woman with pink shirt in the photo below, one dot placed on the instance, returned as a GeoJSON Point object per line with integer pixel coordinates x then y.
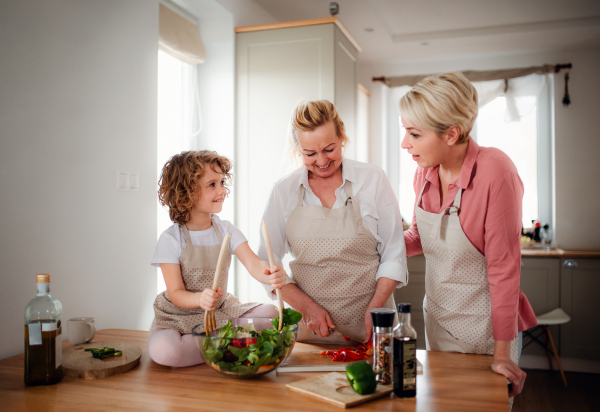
{"type": "Point", "coordinates": [467, 223]}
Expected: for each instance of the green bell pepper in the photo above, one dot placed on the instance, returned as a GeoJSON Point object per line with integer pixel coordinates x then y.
{"type": "Point", "coordinates": [361, 377]}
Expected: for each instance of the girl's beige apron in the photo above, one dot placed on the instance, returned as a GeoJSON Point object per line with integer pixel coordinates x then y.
{"type": "Point", "coordinates": [457, 307]}
{"type": "Point", "coordinates": [198, 265]}
{"type": "Point", "coordinates": [335, 264]}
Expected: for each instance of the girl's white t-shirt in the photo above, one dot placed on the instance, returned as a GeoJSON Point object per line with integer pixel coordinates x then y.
{"type": "Point", "coordinates": [172, 241]}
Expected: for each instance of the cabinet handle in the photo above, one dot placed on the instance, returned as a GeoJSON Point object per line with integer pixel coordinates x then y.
{"type": "Point", "coordinates": [570, 264]}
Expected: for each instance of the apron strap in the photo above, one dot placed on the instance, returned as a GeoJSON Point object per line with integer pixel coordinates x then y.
{"type": "Point", "coordinates": [300, 196]}
{"type": "Point", "coordinates": [186, 233]}
{"type": "Point", "coordinates": [360, 229]}
{"type": "Point", "coordinates": [217, 231]}
{"type": "Point", "coordinates": [454, 209]}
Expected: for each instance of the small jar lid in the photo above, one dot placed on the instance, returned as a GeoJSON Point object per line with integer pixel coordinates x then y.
{"type": "Point", "coordinates": [403, 307]}
{"type": "Point", "coordinates": [383, 317]}
{"type": "Point", "coordinates": [42, 278]}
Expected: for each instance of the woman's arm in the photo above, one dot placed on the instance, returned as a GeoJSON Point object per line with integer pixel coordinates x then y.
{"type": "Point", "coordinates": [502, 251]}
{"type": "Point", "coordinates": [259, 269]}
{"type": "Point", "coordinates": [207, 299]}
{"type": "Point", "coordinates": [412, 239]}
{"type": "Point", "coordinates": [385, 287]}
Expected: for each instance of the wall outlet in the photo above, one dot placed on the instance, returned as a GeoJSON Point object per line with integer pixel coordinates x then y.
{"type": "Point", "coordinates": [128, 182]}
{"type": "Point", "coordinates": [134, 182]}
{"type": "Point", "coordinates": [122, 181]}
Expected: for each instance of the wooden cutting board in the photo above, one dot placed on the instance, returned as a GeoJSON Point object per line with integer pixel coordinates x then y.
{"type": "Point", "coordinates": [77, 363]}
{"type": "Point", "coordinates": [335, 389]}
{"type": "Point", "coordinates": [313, 361]}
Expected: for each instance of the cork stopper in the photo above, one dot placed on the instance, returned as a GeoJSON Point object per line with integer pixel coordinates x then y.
{"type": "Point", "coordinates": [42, 278]}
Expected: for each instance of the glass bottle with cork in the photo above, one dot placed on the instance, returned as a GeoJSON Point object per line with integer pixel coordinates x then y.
{"type": "Point", "coordinates": [43, 336]}
{"type": "Point", "coordinates": [383, 329]}
{"type": "Point", "coordinates": [405, 355]}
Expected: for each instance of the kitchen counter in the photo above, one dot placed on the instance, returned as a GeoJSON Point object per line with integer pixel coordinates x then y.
{"type": "Point", "coordinates": [560, 253]}
{"type": "Point", "coordinates": [450, 382]}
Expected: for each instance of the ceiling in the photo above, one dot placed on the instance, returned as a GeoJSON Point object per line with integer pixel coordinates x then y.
{"type": "Point", "coordinates": [391, 30]}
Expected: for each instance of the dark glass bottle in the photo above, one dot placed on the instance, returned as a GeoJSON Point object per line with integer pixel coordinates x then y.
{"type": "Point", "coordinates": [405, 355]}
{"type": "Point", "coordinates": [43, 340]}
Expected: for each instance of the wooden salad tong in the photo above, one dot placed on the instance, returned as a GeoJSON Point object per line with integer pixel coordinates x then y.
{"type": "Point", "coordinates": [210, 323]}
{"type": "Point", "coordinates": [267, 238]}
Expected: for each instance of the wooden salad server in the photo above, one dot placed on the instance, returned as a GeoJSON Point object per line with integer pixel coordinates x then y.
{"type": "Point", "coordinates": [210, 322]}
{"type": "Point", "coordinates": [267, 238]}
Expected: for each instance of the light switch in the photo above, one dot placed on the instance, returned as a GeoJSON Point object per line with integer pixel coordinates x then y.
{"type": "Point", "coordinates": [134, 182]}
{"type": "Point", "coordinates": [122, 181]}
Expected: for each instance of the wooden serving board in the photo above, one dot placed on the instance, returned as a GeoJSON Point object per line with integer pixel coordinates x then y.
{"type": "Point", "coordinates": [77, 363]}
{"type": "Point", "coordinates": [335, 389]}
{"type": "Point", "coordinates": [313, 361]}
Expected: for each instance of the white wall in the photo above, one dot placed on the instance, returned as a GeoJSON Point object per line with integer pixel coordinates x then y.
{"type": "Point", "coordinates": [577, 140]}
{"type": "Point", "coordinates": [77, 103]}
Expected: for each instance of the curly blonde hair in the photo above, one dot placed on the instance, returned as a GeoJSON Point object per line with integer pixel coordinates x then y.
{"type": "Point", "coordinates": [179, 183]}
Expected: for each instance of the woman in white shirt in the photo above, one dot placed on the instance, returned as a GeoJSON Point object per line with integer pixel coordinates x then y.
{"type": "Point", "coordinates": [340, 220]}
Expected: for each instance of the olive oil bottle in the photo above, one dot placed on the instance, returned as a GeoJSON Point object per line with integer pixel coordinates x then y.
{"type": "Point", "coordinates": [43, 336]}
{"type": "Point", "coordinates": [405, 355]}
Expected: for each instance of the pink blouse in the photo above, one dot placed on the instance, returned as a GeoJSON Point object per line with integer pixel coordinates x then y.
{"type": "Point", "coordinates": [490, 215]}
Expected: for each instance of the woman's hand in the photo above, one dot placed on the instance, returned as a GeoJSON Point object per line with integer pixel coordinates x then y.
{"type": "Point", "coordinates": [505, 366]}
{"type": "Point", "coordinates": [276, 276]}
{"type": "Point", "coordinates": [317, 320]}
{"type": "Point", "coordinates": [208, 298]}
{"type": "Point", "coordinates": [368, 325]}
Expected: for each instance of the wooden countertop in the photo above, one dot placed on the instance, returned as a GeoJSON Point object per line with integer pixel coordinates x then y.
{"type": "Point", "coordinates": [450, 382]}
{"type": "Point", "coordinates": [560, 253]}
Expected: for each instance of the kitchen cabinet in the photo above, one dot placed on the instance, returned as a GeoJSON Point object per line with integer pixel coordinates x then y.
{"type": "Point", "coordinates": [540, 281]}
{"type": "Point", "coordinates": [580, 284]}
{"type": "Point", "coordinates": [548, 283]}
{"type": "Point", "coordinates": [414, 293]}
{"type": "Point", "coordinates": [278, 65]}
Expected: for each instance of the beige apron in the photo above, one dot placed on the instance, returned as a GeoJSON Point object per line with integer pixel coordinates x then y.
{"type": "Point", "coordinates": [335, 264]}
{"type": "Point", "coordinates": [457, 306]}
{"type": "Point", "coordinates": [198, 265]}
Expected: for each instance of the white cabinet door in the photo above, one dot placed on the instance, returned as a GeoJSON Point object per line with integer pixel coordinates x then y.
{"type": "Point", "coordinates": [580, 285]}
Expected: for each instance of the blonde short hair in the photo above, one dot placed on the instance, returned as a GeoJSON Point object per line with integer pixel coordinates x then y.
{"type": "Point", "coordinates": [308, 115]}
{"type": "Point", "coordinates": [439, 101]}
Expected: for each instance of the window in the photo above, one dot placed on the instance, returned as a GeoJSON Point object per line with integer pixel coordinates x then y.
{"type": "Point", "coordinates": [174, 110]}
{"type": "Point", "coordinates": [519, 123]}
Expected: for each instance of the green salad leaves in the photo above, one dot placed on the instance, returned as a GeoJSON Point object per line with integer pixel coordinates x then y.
{"type": "Point", "coordinates": [243, 350]}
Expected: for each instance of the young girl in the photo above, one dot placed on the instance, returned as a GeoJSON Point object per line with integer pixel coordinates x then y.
{"type": "Point", "coordinates": [193, 186]}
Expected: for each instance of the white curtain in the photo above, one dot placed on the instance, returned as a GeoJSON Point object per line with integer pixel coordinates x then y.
{"type": "Point", "coordinates": [512, 90]}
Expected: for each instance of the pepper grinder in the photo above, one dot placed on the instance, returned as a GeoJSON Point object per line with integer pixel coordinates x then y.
{"type": "Point", "coordinates": [383, 322]}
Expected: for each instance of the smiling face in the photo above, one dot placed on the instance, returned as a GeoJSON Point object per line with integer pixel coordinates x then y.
{"type": "Point", "coordinates": [426, 147]}
{"type": "Point", "coordinates": [212, 192]}
{"type": "Point", "coordinates": [321, 150]}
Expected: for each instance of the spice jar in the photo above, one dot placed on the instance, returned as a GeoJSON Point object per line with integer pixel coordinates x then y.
{"type": "Point", "coordinates": [383, 322]}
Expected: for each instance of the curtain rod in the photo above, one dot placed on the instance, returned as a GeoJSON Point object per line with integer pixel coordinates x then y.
{"type": "Point", "coordinates": [478, 76]}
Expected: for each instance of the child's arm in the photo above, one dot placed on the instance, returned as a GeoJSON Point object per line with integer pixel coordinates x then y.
{"type": "Point", "coordinates": [259, 269]}
{"type": "Point", "coordinates": [207, 299]}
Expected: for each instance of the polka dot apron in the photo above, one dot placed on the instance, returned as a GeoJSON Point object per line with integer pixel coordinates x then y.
{"type": "Point", "coordinates": [198, 265]}
{"type": "Point", "coordinates": [335, 264]}
{"type": "Point", "coordinates": [457, 307]}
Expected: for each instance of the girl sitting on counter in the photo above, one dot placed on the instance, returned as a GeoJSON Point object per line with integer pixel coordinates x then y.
{"type": "Point", "coordinates": [193, 185]}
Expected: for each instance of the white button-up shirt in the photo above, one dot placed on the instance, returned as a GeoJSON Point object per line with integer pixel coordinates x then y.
{"type": "Point", "coordinates": [378, 208]}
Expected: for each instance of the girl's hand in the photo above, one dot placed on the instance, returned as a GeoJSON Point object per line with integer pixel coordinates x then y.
{"type": "Point", "coordinates": [209, 298]}
{"type": "Point", "coordinates": [276, 276]}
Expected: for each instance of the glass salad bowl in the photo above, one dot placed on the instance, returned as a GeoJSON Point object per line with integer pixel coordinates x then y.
{"type": "Point", "coordinates": [246, 347]}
